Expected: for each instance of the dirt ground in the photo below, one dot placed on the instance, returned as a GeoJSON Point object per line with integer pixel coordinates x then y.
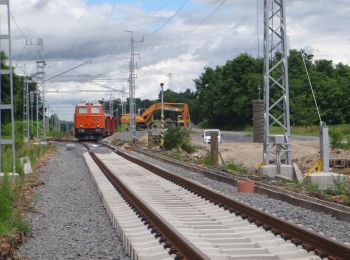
{"type": "Point", "coordinates": [304, 153]}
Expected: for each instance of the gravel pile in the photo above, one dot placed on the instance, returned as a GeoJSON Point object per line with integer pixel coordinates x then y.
{"type": "Point", "coordinates": [71, 222]}
{"type": "Point", "coordinates": [317, 221]}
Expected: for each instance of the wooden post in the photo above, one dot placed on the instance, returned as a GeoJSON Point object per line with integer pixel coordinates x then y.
{"type": "Point", "coordinates": [214, 147]}
{"type": "Point", "coordinates": [150, 140]}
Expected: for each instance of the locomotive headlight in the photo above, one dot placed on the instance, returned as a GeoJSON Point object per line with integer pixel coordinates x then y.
{"type": "Point", "coordinates": [98, 125]}
{"type": "Point", "coordinates": [81, 125]}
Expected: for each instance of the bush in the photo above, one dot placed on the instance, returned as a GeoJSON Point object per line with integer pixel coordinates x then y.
{"type": "Point", "coordinates": [336, 138]}
{"type": "Point", "coordinates": [188, 147]}
{"type": "Point", "coordinates": [176, 137]}
{"type": "Point", "coordinates": [237, 168]}
{"type": "Point", "coordinates": [173, 138]}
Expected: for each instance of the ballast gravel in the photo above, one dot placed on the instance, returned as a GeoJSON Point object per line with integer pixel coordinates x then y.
{"type": "Point", "coordinates": [316, 221]}
{"type": "Point", "coordinates": [71, 222]}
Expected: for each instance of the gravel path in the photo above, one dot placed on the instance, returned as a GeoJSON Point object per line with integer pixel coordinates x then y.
{"type": "Point", "coordinates": [71, 222]}
{"type": "Point", "coordinates": [317, 221]}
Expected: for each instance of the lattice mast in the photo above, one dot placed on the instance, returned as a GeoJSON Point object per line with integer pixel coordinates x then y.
{"type": "Point", "coordinates": [6, 102]}
{"type": "Point", "coordinates": [40, 77]}
{"type": "Point", "coordinates": [276, 87]}
{"type": "Point", "coordinates": [132, 109]}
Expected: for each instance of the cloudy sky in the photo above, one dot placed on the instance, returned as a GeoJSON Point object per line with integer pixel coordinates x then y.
{"type": "Point", "coordinates": [181, 37]}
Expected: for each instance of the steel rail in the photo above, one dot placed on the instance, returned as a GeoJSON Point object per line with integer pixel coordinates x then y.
{"type": "Point", "coordinates": [177, 241]}
{"type": "Point", "coordinates": [338, 211]}
{"type": "Point", "coordinates": [310, 240]}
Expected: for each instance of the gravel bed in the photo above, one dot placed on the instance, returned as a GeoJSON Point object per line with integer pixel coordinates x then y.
{"type": "Point", "coordinates": [71, 222]}
{"type": "Point", "coordinates": [317, 221]}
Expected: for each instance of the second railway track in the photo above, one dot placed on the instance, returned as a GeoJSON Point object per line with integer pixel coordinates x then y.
{"type": "Point", "coordinates": [195, 222]}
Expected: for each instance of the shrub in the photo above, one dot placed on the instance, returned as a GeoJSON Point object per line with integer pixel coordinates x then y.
{"type": "Point", "coordinates": [339, 188]}
{"type": "Point", "coordinates": [205, 160]}
{"type": "Point", "coordinates": [336, 138]}
{"type": "Point", "coordinates": [188, 147]}
{"type": "Point", "coordinates": [173, 138]}
{"type": "Point", "coordinates": [311, 188]}
{"type": "Point", "coordinates": [237, 168]}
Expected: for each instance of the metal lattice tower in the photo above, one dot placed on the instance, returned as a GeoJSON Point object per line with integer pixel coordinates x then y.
{"type": "Point", "coordinates": [31, 100]}
{"type": "Point", "coordinates": [26, 128]}
{"type": "Point", "coordinates": [132, 109]}
{"type": "Point", "coordinates": [40, 77]}
{"type": "Point", "coordinates": [276, 87]}
{"type": "Point", "coordinates": [123, 101]}
{"type": "Point", "coordinates": [6, 103]}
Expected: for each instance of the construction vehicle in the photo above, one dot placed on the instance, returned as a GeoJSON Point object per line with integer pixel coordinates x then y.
{"type": "Point", "coordinates": [145, 118]}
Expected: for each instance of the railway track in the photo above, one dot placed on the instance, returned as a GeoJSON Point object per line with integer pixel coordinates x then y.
{"type": "Point", "coordinates": [194, 222]}
{"type": "Point", "coordinates": [338, 211]}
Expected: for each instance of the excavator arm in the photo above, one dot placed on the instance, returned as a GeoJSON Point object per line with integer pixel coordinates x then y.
{"type": "Point", "coordinates": [146, 116]}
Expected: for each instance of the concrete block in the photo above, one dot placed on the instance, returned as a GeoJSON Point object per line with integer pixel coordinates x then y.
{"type": "Point", "coordinates": [326, 180]}
{"type": "Point", "coordinates": [271, 171]}
{"type": "Point", "coordinates": [27, 167]}
{"type": "Point", "coordinates": [338, 163]}
{"type": "Point", "coordinates": [70, 146]}
{"type": "Point", "coordinates": [12, 177]}
{"type": "Point", "coordinates": [297, 173]}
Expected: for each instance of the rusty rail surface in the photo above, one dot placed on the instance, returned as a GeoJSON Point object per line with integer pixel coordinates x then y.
{"type": "Point", "coordinates": [181, 245]}
{"type": "Point", "coordinates": [310, 240]}
{"type": "Point", "coordinates": [338, 211]}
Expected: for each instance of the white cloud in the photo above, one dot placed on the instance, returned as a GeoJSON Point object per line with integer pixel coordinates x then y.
{"type": "Point", "coordinates": [181, 48]}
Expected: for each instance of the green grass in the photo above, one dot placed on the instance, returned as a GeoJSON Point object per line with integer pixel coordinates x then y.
{"type": "Point", "coordinates": [206, 160]}
{"type": "Point", "coordinates": [240, 169]}
{"type": "Point", "coordinates": [10, 219]}
{"type": "Point", "coordinates": [306, 130]}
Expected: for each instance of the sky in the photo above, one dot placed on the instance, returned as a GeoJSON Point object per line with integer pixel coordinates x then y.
{"type": "Point", "coordinates": [180, 38]}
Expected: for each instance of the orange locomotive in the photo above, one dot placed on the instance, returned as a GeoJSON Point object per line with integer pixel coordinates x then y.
{"type": "Point", "coordinates": [92, 123]}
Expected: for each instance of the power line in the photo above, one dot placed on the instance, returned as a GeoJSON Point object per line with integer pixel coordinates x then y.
{"type": "Point", "coordinates": [117, 49]}
{"type": "Point", "coordinates": [193, 30]}
{"type": "Point", "coordinates": [75, 24]}
{"type": "Point", "coordinates": [169, 19]}
{"type": "Point", "coordinates": [68, 70]}
{"type": "Point", "coordinates": [107, 23]}
{"type": "Point", "coordinates": [19, 29]}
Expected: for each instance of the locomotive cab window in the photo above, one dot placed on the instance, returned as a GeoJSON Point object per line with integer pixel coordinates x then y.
{"type": "Point", "coordinates": [83, 110]}
{"type": "Point", "coordinates": [95, 110]}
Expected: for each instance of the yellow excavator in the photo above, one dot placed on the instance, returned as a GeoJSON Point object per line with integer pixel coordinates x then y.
{"type": "Point", "coordinates": [144, 119]}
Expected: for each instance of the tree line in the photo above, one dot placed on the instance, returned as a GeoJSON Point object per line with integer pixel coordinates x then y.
{"type": "Point", "coordinates": [223, 95]}
{"type": "Point", "coordinates": [18, 82]}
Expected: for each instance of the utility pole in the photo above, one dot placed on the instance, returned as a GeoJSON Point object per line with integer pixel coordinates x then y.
{"type": "Point", "coordinates": [162, 117]}
{"type": "Point", "coordinates": [111, 105]}
{"type": "Point", "coordinates": [276, 87]}
{"type": "Point", "coordinates": [40, 79]}
{"type": "Point", "coordinates": [40, 76]}
{"type": "Point", "coordinates": [37, 115]}
{"type": "Point", "coordinates": [170, 83]}
{"type": "Point", "coordinates": [6, 36]}
{"type": "Point", "coordinates": [132, 87]}
{"type": "Point", "coordinates": [31, 99]}
{"type": "Point", "coordinates": [26, 109]}
{"type": "Point", "coordinates": [123, 104]}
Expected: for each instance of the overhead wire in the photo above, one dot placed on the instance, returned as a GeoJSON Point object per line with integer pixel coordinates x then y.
{"type": "Point", "coordinates": [163, 25]}
{"type": "Point", "coordinates": [107, 23]}
{"type": "Point", "coordinates": [213, 12]}
{"type": "Point", "coordinates": [75, 24]}
{"type": "Point", "coordinates": [23, 35]}
{"type": "Point", "coordinates": [311, 87]}
{"type": "Point", "coordinates": [80, 65]}
{"type": "Point", "coordinates": [19, 28]}
{"type": "Point", "coordinates": [169, 19]}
